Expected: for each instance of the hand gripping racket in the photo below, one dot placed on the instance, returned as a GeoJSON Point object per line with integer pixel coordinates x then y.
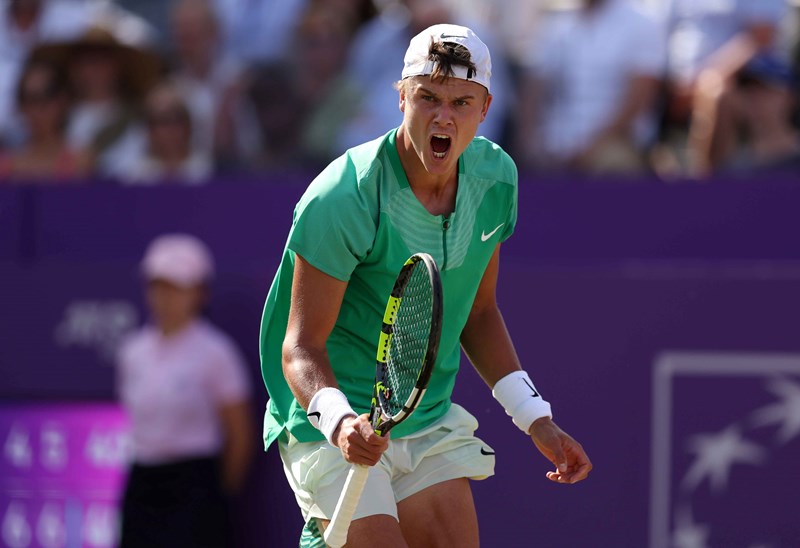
{"type": "Point", "coordinates": [407, 347]}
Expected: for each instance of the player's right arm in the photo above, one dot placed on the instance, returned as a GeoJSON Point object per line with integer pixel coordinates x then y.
{"type": "Point", "coordinates": [315, 303]}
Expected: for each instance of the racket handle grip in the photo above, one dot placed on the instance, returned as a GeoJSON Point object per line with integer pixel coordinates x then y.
{"type": "Point", "coordinates": [336, 533]}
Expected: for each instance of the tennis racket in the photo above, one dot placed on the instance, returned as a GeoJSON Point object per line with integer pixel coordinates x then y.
{"type": "Point", "coordinates": [407, 347]}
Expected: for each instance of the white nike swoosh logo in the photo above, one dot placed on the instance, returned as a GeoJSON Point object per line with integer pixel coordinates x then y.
{"type": "Point", "coordinates": [485, 236]}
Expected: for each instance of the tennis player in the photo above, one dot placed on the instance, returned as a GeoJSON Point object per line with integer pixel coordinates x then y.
{"type": "Point", "coordinates": [429, 185]}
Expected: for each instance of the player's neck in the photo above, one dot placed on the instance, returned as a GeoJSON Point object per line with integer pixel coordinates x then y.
{"type": "Point", "coordinates": [437, 199]}
{"type": "Point", "coordinates": [435, 191]}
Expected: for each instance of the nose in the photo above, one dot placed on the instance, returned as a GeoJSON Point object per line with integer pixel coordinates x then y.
{"type": "Point", "coordinates": [444, 115]}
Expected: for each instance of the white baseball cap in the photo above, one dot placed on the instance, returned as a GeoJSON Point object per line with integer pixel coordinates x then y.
{"type": "Point", "coordinates": [178, 258]}
{"type": "Point", "coordinates": [417, 63]}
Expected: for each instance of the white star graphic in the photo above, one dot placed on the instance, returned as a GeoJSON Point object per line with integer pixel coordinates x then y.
{"type": "Point", "coordinates": [687, 533]}
{"type": "Point", "coordinates": [785, 412]}
{"type": "Point", "coordinates": [716, 455]}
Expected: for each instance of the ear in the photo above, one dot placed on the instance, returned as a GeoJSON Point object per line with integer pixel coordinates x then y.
{"type": "Point", "coordinates": [402, 105]}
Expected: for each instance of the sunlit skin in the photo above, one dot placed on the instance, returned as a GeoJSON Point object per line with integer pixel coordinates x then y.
{"type": "Point", "coordinates": [172, 306]}
{"type": "Point", "coordinates": [453, 108]}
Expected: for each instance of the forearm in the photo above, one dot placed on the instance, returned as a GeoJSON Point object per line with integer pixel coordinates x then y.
{"type": "Point", "coordinates": [739, 50]}
{"type": "Point", "coordinates": [307, 370]}
{"type": "Point", "coordinates": [488, 345]}
{"type": "Point", "coordinates": [309, 374]}
{"type": "Point", "coordinates": [316, 299]}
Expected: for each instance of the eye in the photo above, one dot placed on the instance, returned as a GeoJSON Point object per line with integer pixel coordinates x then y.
{"type": "Point", "coordinates": [461, 102]}
{"type": "Point", "coordinates": [428, 98]}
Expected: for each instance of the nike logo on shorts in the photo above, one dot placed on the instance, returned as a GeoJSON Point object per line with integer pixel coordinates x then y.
{"type": "Point", "coordinates": [486, 452]}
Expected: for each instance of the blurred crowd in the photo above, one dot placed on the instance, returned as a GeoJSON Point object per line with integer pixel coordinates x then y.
{"type": "Point", "coordinates": [181, 91]}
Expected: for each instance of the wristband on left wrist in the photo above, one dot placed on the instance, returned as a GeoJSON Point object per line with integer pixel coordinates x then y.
{"type": "Point", "coordinates": [521, 400]}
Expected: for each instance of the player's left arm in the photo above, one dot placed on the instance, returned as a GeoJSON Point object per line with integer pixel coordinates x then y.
{"type": "Point", "coordinates": [488, 345]}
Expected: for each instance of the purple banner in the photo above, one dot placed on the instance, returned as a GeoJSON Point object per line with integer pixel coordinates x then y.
{"type": "Point", "coordinates": [655, 318]}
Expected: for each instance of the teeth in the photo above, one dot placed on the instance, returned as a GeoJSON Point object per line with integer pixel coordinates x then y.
{"type": "Point", "coordinates": [440, 136]}
{"type": "Point", "coordinates": [439, 154]}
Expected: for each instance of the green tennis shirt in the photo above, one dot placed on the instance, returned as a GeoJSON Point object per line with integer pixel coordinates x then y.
{"type": "Point", "coordinates": [359, 221]}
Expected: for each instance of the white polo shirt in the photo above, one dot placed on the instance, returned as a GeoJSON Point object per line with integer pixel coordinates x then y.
{"type": "Point", "coordinates": [173, 387]}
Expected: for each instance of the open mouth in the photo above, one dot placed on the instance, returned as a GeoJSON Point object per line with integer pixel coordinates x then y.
{"type": "Point", "coordinates": [440, 144]}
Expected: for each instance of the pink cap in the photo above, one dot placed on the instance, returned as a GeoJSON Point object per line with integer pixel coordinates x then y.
{"type": "Point", "coordinates": [178, 258]}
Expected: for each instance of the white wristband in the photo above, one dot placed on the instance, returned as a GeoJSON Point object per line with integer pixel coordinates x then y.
{"type": "Point", "coordinates": [521, 400]}
{"type": "Point", "coordinates": [326, 410]}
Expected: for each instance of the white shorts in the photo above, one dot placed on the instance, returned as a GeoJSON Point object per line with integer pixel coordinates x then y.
{"type": "Point", "coordinates": [446, 450]}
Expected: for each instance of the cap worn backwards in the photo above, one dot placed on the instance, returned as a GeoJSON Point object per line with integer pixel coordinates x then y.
{"type": "Point", "coordinates": [418, 63]}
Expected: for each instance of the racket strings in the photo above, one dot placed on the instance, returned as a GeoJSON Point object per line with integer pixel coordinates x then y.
{"type": "Point", "coordinates": [410, 336]}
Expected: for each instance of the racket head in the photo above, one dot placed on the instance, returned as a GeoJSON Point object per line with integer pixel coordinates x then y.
{"type": "Point", "coordinates": [409, 342]}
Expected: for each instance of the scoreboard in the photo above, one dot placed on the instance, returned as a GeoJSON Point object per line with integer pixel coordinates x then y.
{"type": "Point", "coordinates": [62, 472]}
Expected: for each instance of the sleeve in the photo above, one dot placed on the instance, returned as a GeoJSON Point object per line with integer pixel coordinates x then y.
{"type": "Point", "coordinates": [511, 223]}
{"type": "Point", "coordinates": [335, 222]}
{"type": "Point", "coordinates": [229, 381]}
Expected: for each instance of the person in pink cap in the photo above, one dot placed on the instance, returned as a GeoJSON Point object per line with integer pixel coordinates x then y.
{"type": "Point", "coordinates": [185, 386]}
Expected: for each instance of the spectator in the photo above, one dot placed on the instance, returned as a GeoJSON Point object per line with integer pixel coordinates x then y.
{"type": "Point", "coordinates": [773, 143]}
{"type": "Point", "coordinates": [45, 156]}
{"type": "Point", "coordinates": [110, 69]}
{"type": "Point", "coordinates": [279, 113]}
{"type": "Point", "coordinates": [259, 31]}
{"type": "Point", "coordinates": [253, 32]}
{"type": "Point", "coordinates": [169, 154]}
{"type": "Point", "coordinates": [323, 39]}
{"type": "Point", "coordinates": [183, 383]}
{"type": "Point", "coordinates": [370, 68]}
{"type": "Point", "coordinates": [213, 83]}
{"type": "Point", "coordinates": [23, 25]}
{"type": "Point", "coordinates": [710, 42]}
{"type": "Point", "coordinates": [591, 83]}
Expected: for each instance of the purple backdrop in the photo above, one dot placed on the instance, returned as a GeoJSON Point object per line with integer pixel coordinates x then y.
{"type": "Point", "coordinates": [652, 317]}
